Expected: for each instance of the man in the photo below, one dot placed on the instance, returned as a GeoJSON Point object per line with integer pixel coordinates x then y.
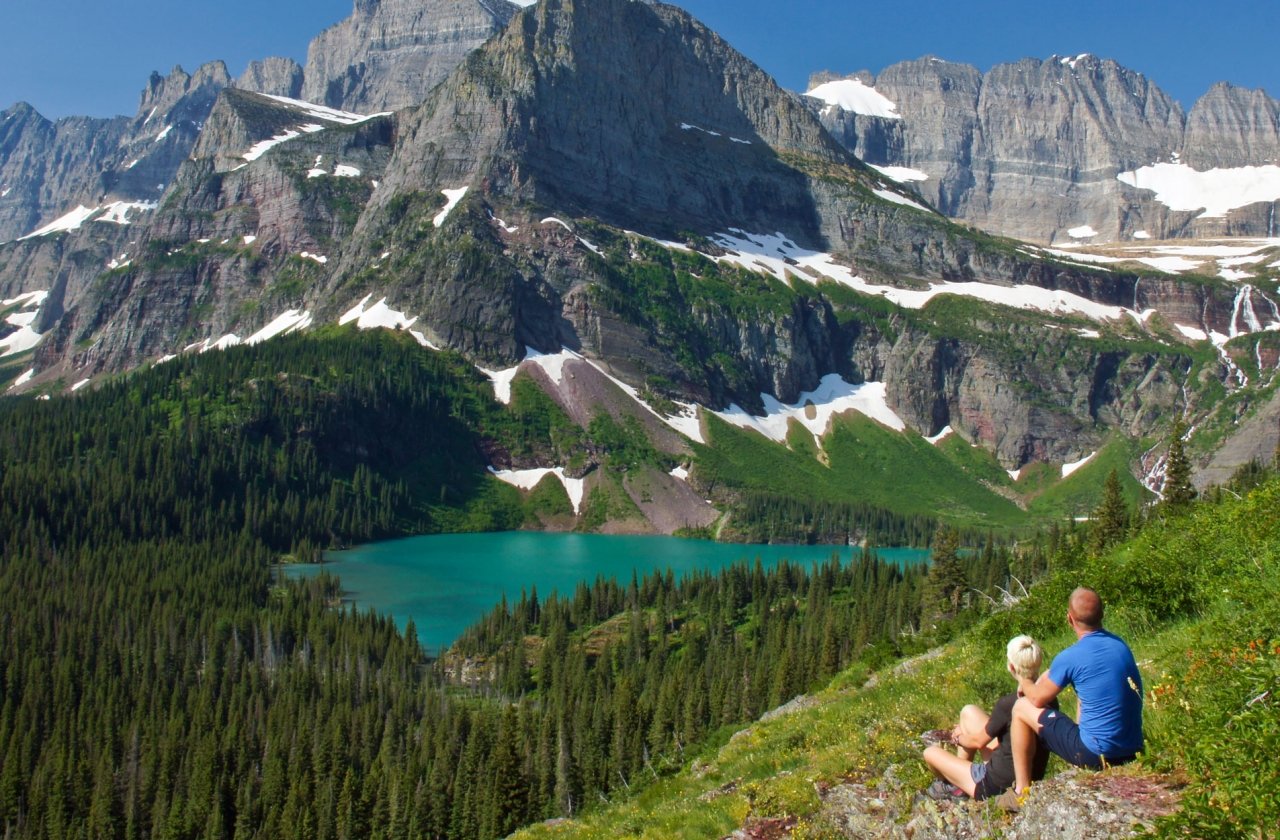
{"type": "Point", "coordinates": [1109, 688]}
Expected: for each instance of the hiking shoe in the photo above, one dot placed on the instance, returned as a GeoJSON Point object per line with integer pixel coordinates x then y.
{"type": "Point", "coordinates": [942, 791]}
{"type": "Point", "coordinates": [1009, 801]}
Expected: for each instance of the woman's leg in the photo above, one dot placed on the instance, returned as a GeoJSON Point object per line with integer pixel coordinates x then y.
{"type": "Point", "coordinates": [973, 730]}
{"type": "Point", "coordinates": [951, 767]}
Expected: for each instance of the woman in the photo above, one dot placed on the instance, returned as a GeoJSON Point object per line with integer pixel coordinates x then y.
{"type": "Point", "coordinates": [987, 736]}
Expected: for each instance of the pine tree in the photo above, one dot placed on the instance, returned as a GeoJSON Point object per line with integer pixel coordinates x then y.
{"type": "Point", "coordinates": [1110, 520]}
{"type": "Point", "coordinates": [946, 584]}
{"type": "Point", "coordinates": [1178, 491]}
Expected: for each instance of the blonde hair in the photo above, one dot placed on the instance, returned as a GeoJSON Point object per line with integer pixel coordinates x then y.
{"type": "Point", "coordinates": [1025, 656]}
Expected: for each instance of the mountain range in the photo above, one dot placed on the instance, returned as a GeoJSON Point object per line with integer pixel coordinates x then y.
{"type": "Point", "coordinates": [607, 199]}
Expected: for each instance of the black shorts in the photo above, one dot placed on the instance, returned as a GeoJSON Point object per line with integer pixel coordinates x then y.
{"type": "Point", "coordinates": [1062, 735]}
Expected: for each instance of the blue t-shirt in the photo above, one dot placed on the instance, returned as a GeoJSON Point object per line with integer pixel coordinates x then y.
{"type": "Point", "coordinates": [1107, 681]}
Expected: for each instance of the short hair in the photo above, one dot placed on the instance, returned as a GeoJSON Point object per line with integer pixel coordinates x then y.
{"type": "Point", "coordinates": [1086, 607]}
{"type": "Point", "coordinates": [1025, 655]}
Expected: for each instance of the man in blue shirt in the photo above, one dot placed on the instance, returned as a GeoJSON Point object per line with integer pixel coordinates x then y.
{"type": "Point", "coordinates": [1109, 688]}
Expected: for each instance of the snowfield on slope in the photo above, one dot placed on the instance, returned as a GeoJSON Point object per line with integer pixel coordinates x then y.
{"type": "Point", "coordinates": [858, 98]}
{"type": "Point", "coordinates": [1216, 191]}
{"type": "Point", "coordinates": [778, 255]}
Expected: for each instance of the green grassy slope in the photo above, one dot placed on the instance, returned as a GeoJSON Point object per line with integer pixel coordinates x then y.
{"type": "Point", "coordinates": [1198, 598]}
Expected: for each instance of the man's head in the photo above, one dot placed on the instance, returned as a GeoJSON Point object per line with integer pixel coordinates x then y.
{"type": "Point", "coordinates": [1084, 610]}
{"type": "Point", "coordinates": [1024, 657]}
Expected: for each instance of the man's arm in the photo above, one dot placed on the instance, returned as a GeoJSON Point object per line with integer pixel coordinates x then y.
{"type": "Point", "coordinates": [1041, 692]}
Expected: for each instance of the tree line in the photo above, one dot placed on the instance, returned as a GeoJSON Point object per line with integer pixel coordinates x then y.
{"type": "Point", "coordinates": [159, 681]}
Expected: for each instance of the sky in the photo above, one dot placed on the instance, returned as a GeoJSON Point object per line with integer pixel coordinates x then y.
{"type": "Point", "coordinates": [93, 57]}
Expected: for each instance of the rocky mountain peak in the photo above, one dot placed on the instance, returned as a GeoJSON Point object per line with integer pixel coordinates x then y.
{"type": "Point", "coordinates": [390, 53]}
{"type": "Point", "coordinates": [198, 90]}
{"type": "Point", "coordinates": [1232, 126]}
{"type": "Point", "coordinates": [628, 112]}
{"type": "Point", "coordinates": [273, 76]}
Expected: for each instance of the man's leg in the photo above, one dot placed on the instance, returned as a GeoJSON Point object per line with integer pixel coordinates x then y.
{"type": "Point", "coordinates": [1024, 729]}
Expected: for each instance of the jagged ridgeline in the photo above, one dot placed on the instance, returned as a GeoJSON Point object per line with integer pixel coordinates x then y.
{"type": "Point", "coordinates": [160, 679]}
{"type": "Point", "coordinates": [613, 179]}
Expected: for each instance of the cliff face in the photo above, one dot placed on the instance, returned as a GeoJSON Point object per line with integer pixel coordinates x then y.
{"type": "Point", "coordinates": [390, 53]}
{"type": "Point", "coordinates": [46, 168]}
{"type": "Point", "coordinates": [1035, 149]}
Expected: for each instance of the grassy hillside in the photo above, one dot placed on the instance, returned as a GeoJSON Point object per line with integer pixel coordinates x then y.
{"type": "Point", "coordinates": [1197, 597]}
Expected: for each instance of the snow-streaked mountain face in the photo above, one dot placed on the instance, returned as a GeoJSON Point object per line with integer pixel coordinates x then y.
{"type": "Point", "coordinates": [608, 185]}
{"type": "Point", "coordinates": [1065, 149]}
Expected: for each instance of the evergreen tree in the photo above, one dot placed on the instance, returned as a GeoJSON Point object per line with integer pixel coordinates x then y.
{"type": "Point", "coordinates": [1178, 492]}
{"type": "Point", "coordinates": [946, 584]}
{"type": "Point", "coordinates": [1110, 520]}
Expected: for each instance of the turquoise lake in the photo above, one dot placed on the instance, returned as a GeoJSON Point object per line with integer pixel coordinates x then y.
{"type": "Point", "coordinates": [447, 582]}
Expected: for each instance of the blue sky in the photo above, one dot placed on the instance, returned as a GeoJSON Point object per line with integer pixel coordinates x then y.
{"type": "Point", "coordinates": [93, 57]}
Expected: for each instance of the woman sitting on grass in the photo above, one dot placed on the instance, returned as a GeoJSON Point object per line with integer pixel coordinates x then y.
{"type": "Point", "coordinates": [987, 735]}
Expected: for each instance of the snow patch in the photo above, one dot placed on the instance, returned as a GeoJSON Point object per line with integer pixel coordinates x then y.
{"type": "Point", "coordinates": [26, 299]}
{"type": "Point", "coordinates": [80, 384]}
{"type": "Point", "coordinates": [500, 223]}
{"type": "Point", "coordinates": [1084, 333]}
{"type": "Point", "coordinates": [118, 211]}
{"type": "Point", "coordinates": [452, 197]}
{"type": "Point", "coordinates": [23, 379]}
{"type": "Point", "coordinates": [1082, 232]}
{"type": "Point", "coordinates": [501, 380]}
{"type": "Point", "coordinates": [686, 421]}
{"type": "Point", "coordinates": [941, 435]}
{"type": "Point", "coordinates": [260, 148]}
{"type": "Point", "coordinates": [249, 239]}
{"type": "Point", "coordinates": [1141, 234]}
{"type": "Point", "coordinates": [286, 322]}
{"type": "Point", "coordinates": [322, 112]}
{"type": "Point", "coordinates": [680, 473]}
{"type": "Point", "coordinates": [344, 171]}
{"type": "Point", "coordinates": [1015, 474]}
{"type": "Point", "coordinates": [528, 479]}
{"type": "Point", "coordinates": [896, 198]}
{"type": "Point", "coordinates": [852, 95]}
{"type": "Point", "coordinates": [1193, 333]}
{"type": "Point", "coordinates": [1068, 469]}
{"type": "Point", "coordinates": [19, 341]}
{"type": "Point", "coordinates": [378, 315]}
{"type": "Point", "coordinates": [692, 127]}
{"type": "Point", "coordinates": [561, 222]}
{"type": "Point", "coordinates": [901, 174]}
{"type": "Point", "coordinates": [320, 258]}
{"type": "Point", "coordinates": [1214, 192]}
{"type": "Point", "coordinates": [164, 134]}
{"type": "Point", "coordinates": [70, 221]}
{"type": "Point", "coordinates": [1170, 265]}
{"type": "Point", "coordinates": [814, 409]}
{"type": "Point", "coordinates": [776, 254]}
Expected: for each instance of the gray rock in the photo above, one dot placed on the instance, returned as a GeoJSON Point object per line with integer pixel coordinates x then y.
{"type": "Point", "coordinates": [390, 53]}
{"type": "Point", "coordinates": [48, 168]}
{"type": "Point", "coordinates": [1033, 149]}
{"type": "Point", "coordinates": [274, 76]}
